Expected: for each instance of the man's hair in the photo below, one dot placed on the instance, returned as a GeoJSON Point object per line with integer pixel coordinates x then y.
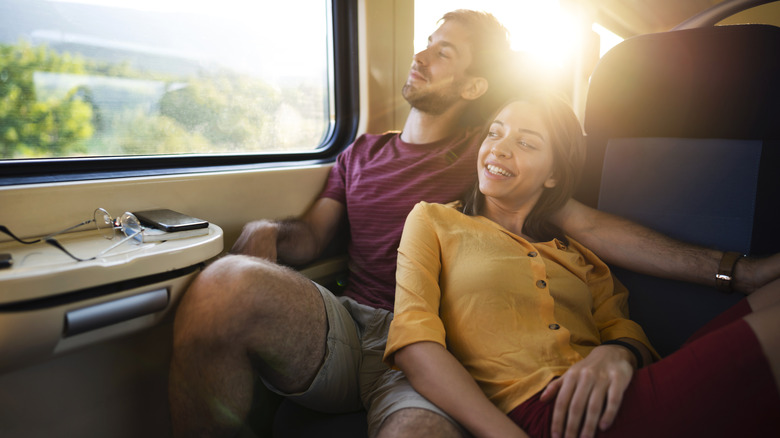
{"type": "Point", "coordinates": [492, 59]}
{"type": "Point", "coordinates": [568, 146]}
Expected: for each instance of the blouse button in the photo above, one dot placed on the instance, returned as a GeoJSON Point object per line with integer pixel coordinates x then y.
{"type": "Point", "coordinates": [541, 284]}
{"type": "Point", "coordinates": [553, 326]}
{"type": "Point", "coordinates": [533, 254]}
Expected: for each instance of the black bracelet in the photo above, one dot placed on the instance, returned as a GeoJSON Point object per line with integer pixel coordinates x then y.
{"type": "Point", "coordinates": [639, 361]}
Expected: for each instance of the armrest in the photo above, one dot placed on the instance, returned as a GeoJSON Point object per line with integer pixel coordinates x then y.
{"type": "Point", "coordinates": [50, 304]}
{"type": "Point", "coordinates": [327, 270]}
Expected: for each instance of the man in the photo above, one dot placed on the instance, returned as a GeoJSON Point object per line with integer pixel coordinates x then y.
{"type": "Point", "coordinates": [246, 316]}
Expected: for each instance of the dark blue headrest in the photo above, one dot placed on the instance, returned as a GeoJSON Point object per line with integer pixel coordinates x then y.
{"type": "Point", "coordinates": [718, 82]}
{"type": "Point", "coordinates": [699, 190]}
{"type": "Point", "coordinates": [683, 133]}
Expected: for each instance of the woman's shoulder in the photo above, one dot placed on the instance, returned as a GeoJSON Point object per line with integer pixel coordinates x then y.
{"type": "Point", "coordinates": [436, 209]}
{"type": "Point", "coordinates": [438, 215]}
{"type": "Point", "coordinates": [431, 219]}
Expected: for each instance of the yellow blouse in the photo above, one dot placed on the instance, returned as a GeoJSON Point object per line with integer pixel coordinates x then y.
{"type": "Point", "coordinates": [516, 314]}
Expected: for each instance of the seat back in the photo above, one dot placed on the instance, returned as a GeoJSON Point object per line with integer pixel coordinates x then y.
{"type": "Point", "coordinates": [683, 132]}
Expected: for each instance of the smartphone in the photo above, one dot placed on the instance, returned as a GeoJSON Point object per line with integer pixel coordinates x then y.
{"type": "Point", "coordinates": [6, 260]}
{"type": "Point", "coordinates": [169, 220]}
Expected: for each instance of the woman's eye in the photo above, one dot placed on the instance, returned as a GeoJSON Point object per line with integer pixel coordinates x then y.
{"type": "Point", "coordinates": [525, 145]}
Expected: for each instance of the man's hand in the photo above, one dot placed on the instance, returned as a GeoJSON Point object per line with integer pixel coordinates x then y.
{"type": "Point", "coordinates": [292, 241]}
{"type": "Point", "coordinates": [591, 390]}
{"type": "Point", "coordinates": [258, 239]}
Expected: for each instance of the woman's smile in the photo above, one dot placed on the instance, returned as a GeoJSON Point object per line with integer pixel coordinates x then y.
{"type": "Point", "coordinates": [497, 170]}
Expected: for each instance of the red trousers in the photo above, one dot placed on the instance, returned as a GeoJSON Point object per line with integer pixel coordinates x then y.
{"type": "Point", "coordinates": [719, 384]}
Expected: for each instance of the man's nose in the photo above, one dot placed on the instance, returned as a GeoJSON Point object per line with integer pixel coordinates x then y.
{"type": "Point", "coordinates": [421, 57]}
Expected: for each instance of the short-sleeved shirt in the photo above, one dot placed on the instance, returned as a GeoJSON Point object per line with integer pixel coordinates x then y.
{"type": "Point", "coordinates": [379, 178]}
{"type": "Point", "coordinates": [516, 314]}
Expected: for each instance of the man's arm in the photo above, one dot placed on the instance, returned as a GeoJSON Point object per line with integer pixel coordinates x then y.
{"type": "Point", "coordinates": [293, 241]}
{"type": "Point", "coordinates": [632, 246]}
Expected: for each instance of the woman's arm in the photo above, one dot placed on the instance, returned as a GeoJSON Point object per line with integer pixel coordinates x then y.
{"type": "Point", "coordinates": [417, 336]}
{"type": "Point", "coordinates": [436, 374]}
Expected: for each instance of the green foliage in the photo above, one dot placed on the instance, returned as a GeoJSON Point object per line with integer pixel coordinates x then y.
{"type": "Point", "coordinates": [227, 109]}
{"type": "Point", "coordinates": [29, 126]}
{"type": "Point", "coordinates": [57, 104]}
{"type": "Point", "coordinates": [133, 132]}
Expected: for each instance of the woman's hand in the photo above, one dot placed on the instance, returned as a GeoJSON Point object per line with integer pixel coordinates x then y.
{"type": "Point", "coordinates": [580, 393]}
{"type": "Point", "coordinates": [751, 273]}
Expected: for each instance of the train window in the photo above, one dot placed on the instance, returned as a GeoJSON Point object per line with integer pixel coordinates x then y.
{"type": "Point", "coordinates": [113, 78]}
{"type": "Point", "coordinates": [762, 14]}
{"type": "Point", "coordinates": [607, 38]}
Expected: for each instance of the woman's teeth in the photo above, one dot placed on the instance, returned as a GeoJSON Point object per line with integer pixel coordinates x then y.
{"type": "Point", "coordinates": [495, 170]}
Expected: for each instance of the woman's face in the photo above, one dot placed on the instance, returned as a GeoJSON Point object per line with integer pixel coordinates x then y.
{"type": "Point", "coordinates": [516, 159]}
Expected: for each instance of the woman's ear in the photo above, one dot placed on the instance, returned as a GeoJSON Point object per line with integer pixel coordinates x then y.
{"type": "Point", "coordinates": [550, 182]}
{"type": "Point", "coordinates": [475, 88]}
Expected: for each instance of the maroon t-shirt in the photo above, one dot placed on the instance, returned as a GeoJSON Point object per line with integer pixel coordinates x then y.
{"type": "Point", "coordinates": [379, 178]}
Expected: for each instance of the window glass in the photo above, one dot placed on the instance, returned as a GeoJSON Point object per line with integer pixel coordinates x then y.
{"type": "Point", "coordinates": [154, 77]}
{"type": "Point", "coordinates": [607, 38]}
{"type": "Point", "coordinates": [763, 14]}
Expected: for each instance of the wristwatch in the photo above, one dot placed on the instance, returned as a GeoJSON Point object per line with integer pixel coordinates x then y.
{"type": "Point", "coordinates": [726, 271]}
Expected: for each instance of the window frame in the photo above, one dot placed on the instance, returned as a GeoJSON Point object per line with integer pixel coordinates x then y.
{"type": "Point", "coordinates": [341, 131]}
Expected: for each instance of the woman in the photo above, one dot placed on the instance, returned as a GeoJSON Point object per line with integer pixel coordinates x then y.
{"type": "Point", "coordinates": [502, 321]}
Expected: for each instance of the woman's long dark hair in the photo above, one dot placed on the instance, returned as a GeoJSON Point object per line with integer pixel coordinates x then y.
{"type": "Point", "coordinates": [568, 146]}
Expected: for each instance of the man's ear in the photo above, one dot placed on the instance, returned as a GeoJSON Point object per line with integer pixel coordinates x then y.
{"type": "Point", "coordinates": [475, 88]}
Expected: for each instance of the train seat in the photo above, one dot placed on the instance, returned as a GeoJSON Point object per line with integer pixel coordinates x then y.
{"type": "Point", "coordinates": [683, 130]}
{"type": "Point", "coordinates": [683, 133]}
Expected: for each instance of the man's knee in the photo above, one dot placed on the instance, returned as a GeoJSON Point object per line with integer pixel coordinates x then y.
{"type": "Point", "coordinates": [223, 296]}
{"type": "Point", "coordinates": [417, 422]}
{"type": "Point", "coordinates": [232, 274]}
{"type": "Point", "coordinates": [238, 277]}
{"type": "Point", "coordinates": [247, 302]}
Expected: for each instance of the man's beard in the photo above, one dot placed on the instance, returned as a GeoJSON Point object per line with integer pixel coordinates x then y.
{"type": "Point", "coordinates": [433, 102]}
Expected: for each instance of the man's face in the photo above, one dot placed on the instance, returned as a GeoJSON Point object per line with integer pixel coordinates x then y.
{"type": "Point", "coordinates": [438, 73]}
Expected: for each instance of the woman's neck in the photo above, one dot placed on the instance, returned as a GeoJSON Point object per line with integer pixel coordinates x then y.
{"type": "Point", "coordinates": [513, 219]}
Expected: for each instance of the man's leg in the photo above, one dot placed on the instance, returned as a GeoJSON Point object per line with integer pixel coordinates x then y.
{"type": "Point", "coordinates": [395, 409]}
{"type": "Point", "coordinates": [417, 422]}
{"type": "Point", "coordinates": [241, 316]}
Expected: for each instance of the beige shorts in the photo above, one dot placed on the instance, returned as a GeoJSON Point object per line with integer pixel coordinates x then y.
{"type": "Point", "coordinates": [353, 376]}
